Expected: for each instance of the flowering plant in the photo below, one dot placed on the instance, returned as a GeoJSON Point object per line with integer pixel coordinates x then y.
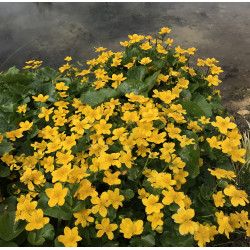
{"type": "Point", "coordinates": [134, 151]}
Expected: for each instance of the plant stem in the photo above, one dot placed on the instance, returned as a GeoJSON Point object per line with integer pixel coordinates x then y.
{"type": "Point", "coordinates": [58, 226]}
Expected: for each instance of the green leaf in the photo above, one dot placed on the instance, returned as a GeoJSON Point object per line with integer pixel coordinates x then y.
{"type": "Point", "coordinates": [160, 63]}
{"type": "Point", "coordinates": [111, 213]}
{"type": "Point", "coordinates": [9, 229]}
{"type": "Point", "coordinates": [150, 82]}
{"type": "Point", "coordinates": [4, 171]}
{"type": "Point", "coordinates": [132, 174]}
{"type": "Point", "coordinates": [45, 89]}
{"type": "Point", "coordinates": [48, 72]}
{"type": "Point", "coordinates": [14, 77]}
{"type": "Point", "coordinates": [57, 243]}
{"type": "Point", "coordinates": [144, 241]}
{"type": "Point", "coordinates": [79, 206]}
{"type": "Point", "coordinates": [96, 97]}
{"type": "Point", "coordinates": [205, 192]}
{"type": "Point", "coordinates": [225, 165]}
{"type": "Point", "coordinates": [4, 125]}
{"type": "Point", "coordinates": [203, 104]}
{"type": "Point", "coordinates": [60, 212]}
{"type": "Point", "coordinates": [7, 244]}
{"type": "Point", "coordinates": [216, 103]}
{"type": "Point", "coordinates": [129, 193]}
{"type": "Point", "coordinates": [33, 132]}
{"type": "Point", "coordinates": [130, 85]}
{"type": "Point", "coordinates": [5, 147]}
{"type": "Point", "coordinates": [138, 87]}
{"type": "Point", "coordinates": [47, 232]}
{"type": "Point", "coordinates": [35, 239]}
{"type": "Point", "coordinates": [192, 109]}
{"type": "Point", "coordinates": [12, 70]}
{"type": "Point", "coordinates": [193, 86]}
{"type": "Point", "coordinates": [148, 240]}
{"type": "Point", "coordinates": [111, 244]}
{"type": "Point", "coordinates": [137, 73]}
{"type": "Point", "coordinates": [169, 239]}
{"type": "Point", "coordinates": [11, 202]}
{"type": "Point", "coordinates": [173, 207]}
{"type": "Point", "coordinates": [197, 107]}
{"type": "Point", "coordinates": [191, 155]}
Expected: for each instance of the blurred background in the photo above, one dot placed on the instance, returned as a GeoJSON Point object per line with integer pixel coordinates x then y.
{"type": "Point", "coordinates": [52, 31]}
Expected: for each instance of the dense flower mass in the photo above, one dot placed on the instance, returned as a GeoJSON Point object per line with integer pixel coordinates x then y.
{"type": "Point", "coordinates": [134, 151]}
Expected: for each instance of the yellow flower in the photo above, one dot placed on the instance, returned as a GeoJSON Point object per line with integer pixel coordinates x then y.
{"type": "Point", "coordinates": [222, 173]}
{"type": "Point", "coordinates": [237, 154]}
{"type": "Point", "coordinates": [100, 49]}
{"type": "Point", "coordinates": [45, 113]}
{"type": "Point", "coordinates": [204, 234]}
{"type": "Point", "coordinates": [151, 204]}
{"type": "Point", "coordinates": [130, 228]}
{"type": "Point", "coordinates": [24, 126]}
{"type": "Point", "coordinates": [61, 173]}
{"type": "Point", "coordinates": [61, 86]}
{"type": "Point", "coordinates": [64, 159]}
{"type": "Point", "coordinates": [224, 223]}
{"type": "Point", "coordinates": [165, 30]}
{"type": "Point", "coordinates": [145, 61]}
{"type": "Point", "coordinates": [135, 38]}
{"type": "Point", "coordinates": [40, 98]}
{"type": "Point", "coordinates": [112, 179]}
{"type": "Point", "coordinates": [183, 83]}
{"type": "Point", "coordinates": [237, 197]}
{"type": "Point", "coordinates": [185, 141]}
{"type": "Point", "coordinates": [117, 80]}
{"type": "Point", "coordinates": [223, 124]}
{"type": "Point", "coordinates": [161, 180]}
{"type": "Point", "coordinates": [100, 204]}
{"type": "Point", "coordinates": [106, 227]}
{"type": "Point", "coordinates": [172, 196]}
{"type": "Point", "coordinates": [31, 177]}
{"type": "Point", "coordinates": [214, 142]}
{"type": "Point", "coordinates": [213, 80]}
{"type": "Point", "coordinates": [218, 199]}
{"type": "Point", "coordinates": [36, 220]}
{"type": "Point", "coordinates": [103, 127]}
{"type": "Point", "coordinates": [56, 195]}
{"type": "Point", "coordinates": [115, 199]}
{"type": "Point", "coordinates": [70, 237]}
{"type": "Point", "coordinates": [22, 108]}
{"type": "Point", "coordinates": [169, 41]}
{"type": "Point", "coordinates": [145, 46]}
{"type": "Point", "coordinates": [68, 58]}
{"type": "Point", "coordinates": [85, 190]}
{"type": "Point", "coordinates": [191, 51]}
{"type": "Point", "coordinates": [109, 159]}
{"type": "Point", "coordinates": [173, 132]}
{"type": "Point", "coordinates": [129, 65]}
{"type": "Point", "coordinates": [155, 219]}
{"type": "Point", "coordinates": [142, 193]}
{"type": "Point", "coordinates": [160, 49]}
{"type": "Point", "coordinates": [83, 217]}
{"type": "Point", "coordinates": [184, 217]}
{"type": "Point", "coordinates": [216, 70]}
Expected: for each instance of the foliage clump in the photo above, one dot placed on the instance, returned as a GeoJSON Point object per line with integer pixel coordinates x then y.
{"type": "Point", "coordinates": [136, 150]}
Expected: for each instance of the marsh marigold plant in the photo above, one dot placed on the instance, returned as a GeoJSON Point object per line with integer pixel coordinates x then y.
{"type": "Point", "coordinates": [134, 150]}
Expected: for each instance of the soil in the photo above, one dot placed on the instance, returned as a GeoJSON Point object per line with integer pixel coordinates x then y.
{"type": "Point", "coordinates": [52, 31]}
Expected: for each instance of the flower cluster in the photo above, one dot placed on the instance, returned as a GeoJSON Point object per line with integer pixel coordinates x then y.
{"type": "Point", "coordinates": [135, 147]}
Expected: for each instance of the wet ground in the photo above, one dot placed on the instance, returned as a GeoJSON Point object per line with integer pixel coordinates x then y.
{"type": "Point", "coordinates": [52, 31]}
